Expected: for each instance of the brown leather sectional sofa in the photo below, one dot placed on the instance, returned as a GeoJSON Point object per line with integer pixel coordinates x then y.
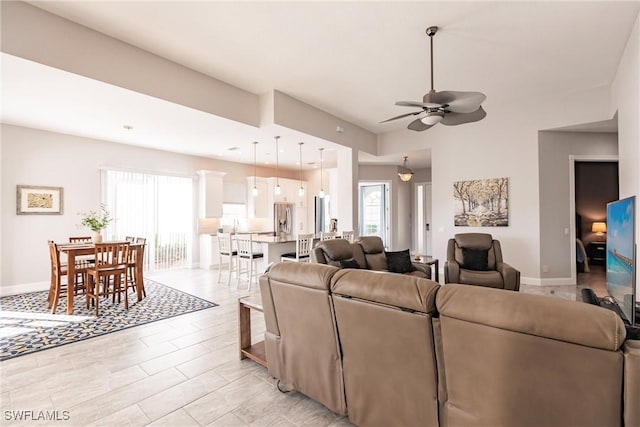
{"type": "Point", "coordinates": [398, 350]}
{"type": "Point", "coordinates": [367, 253]}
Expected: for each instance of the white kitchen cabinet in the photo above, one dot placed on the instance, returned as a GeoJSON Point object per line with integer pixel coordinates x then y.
{"type": "Point", "coordinates": [210, 185]}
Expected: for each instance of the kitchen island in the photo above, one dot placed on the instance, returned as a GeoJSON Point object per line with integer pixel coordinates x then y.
{"type": "Point", "coordinates": [271, 246]}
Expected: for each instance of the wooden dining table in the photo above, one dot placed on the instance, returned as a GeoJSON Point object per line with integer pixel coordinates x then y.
{"type": "Point", "coordinates": [74, 250]}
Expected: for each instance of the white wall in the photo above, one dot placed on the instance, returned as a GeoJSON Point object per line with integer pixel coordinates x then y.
{"type": "Point", "coordinates": [504, 144]}
{"type": "Point", "coordinates": [34, 157]}
{"type": "Point", "coordinates": [626, 101]}
{"type": "Point", "coordinates": [555, 216]}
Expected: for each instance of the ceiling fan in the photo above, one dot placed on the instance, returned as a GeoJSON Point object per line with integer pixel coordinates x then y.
{"type": "Point", "coordinates": [447, 107]}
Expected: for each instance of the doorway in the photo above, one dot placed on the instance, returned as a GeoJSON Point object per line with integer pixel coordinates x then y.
{"type": "Point", "coordinates": [422, 218]}
{"type": "Point", "coordinates": [373, 198]}
{"type": "Point", "coordinates": [594, 183]}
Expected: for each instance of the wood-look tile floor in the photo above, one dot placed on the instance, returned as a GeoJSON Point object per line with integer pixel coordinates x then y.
{"type": "Point", "coordinates": [183, 371]}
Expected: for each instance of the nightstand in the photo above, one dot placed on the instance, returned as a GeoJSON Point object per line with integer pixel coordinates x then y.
{"type": "Point", "coordinates": [597, 252]}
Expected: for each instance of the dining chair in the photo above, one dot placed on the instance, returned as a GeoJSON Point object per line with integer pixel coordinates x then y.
{"type": "Point", "coordinates": [111, 267]}
{"type": "Point", "coordinates": [136, 256]}
{"type": "Point", "coordinates": [327, 235]}
{"type": "Point", "coordinates": [58, 270]}
{"type": "Point", "coordinates": [348, 235]}
{"type": "Point", "coordinates": [244, 244]}
{"type": "Point", "coordinates": [141, 240]}
{"type": "Point", "coordinates": [304, 242]}
{"type": "Point", "coordinates": [225, 249]}
{"type": "Point", "coordinates": [85, 259]}
{"type": "Point", "coordinates": [130, 239]}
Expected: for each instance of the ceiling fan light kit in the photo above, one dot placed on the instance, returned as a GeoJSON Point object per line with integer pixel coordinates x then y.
{"type": "Point", "coordinates": [448, 107]}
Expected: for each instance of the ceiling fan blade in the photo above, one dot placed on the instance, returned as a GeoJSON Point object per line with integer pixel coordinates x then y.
{"type": "Point", "coordinates": [418, 126]}
{"type": "Point", "coordinates": [452, 119]}
{"type": "Point", "coordinates": [417, 104]}
{"type": "Point", "coordinates": [459, 102]}
{"type": "Point", "coordinates": [401, 116]}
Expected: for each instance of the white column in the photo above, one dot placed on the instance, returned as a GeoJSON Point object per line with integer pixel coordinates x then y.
{"type": "Point", "coordinates": [346, 192]}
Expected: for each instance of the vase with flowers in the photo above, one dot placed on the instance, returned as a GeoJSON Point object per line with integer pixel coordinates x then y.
{"type": "Point", "coordinates": [96, 221]}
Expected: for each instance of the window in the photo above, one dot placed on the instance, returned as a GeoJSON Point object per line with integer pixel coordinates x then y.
{"type": "Point", "coordinates": [156, 207]}
{"type": "Point", "coordinates": [374, 210]}
{"type": "Point", "coordinates": [234, 215]}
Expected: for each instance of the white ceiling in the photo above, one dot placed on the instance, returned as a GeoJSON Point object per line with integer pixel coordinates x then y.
{"type": "Point", "coordinates": [351, 59]}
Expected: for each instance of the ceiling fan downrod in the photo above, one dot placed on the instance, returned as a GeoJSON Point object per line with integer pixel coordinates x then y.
{"type": "Point", "coordinates": [431, 31]}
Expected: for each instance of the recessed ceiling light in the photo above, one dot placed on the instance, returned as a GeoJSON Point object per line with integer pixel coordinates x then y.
{"type": "Point", "coordinates": [128, 127]}
{"type": "Point", "coordinates": [233, 148]}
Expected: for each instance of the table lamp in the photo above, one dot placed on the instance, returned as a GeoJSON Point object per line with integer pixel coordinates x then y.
{"type": "Point", "coordinates": [599, 228]}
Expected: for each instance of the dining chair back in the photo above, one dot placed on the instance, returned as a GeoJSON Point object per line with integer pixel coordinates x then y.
{"type": "Point", "coordinates": [141, 240]}
{"type": "Point", "coordinates": [80, 239]}
{"type": "Point", "coordinates": [130, 239]}
{"type": "Point", "coordinates": [246, 254]}
{"type": "Point", "coordinates": [327, 235]}
{"type": "Point", "coordinates": [226, 249]}
{"type": "Point", "coordinates": [58, 270]}
{"type": "Point", "coordinates": [136, 259]}
{"type": "Point", "coordinates": [304, 242]}
{"type": "Point", "coordinates": [85, 261]}
{"type": "Point", "coordinates": [109, 273]}
{"type": "Point", "coordinates": [348, 235]}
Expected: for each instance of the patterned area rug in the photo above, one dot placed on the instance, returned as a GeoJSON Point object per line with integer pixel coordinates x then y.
{"type": "Point", "coordinates": [26, 326]}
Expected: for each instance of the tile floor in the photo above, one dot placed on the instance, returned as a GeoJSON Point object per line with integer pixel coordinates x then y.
{"type": "Point", "coordinates": [183, 371]}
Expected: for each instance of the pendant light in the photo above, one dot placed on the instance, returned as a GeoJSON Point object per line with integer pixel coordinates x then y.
{"type": "Point", "coordinates": [277, 190]}
{"type": "Point", "coordinates": [301, 189]}
{"type": "Point", "coordinates": [404, 172]}
{"type": "Point", "coordinates": [255, 189]}
{"type": "Point", "coordinates": [321, 193]}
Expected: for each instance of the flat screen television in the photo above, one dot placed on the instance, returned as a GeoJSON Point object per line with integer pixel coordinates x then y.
{"type": "Point", "coordinates": [621, 255]}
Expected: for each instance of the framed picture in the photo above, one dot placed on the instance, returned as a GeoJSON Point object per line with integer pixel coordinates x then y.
{"type": "Point", "coordinates": [35, 200]}
{"type": "Point", "coordinates": [481, 203]}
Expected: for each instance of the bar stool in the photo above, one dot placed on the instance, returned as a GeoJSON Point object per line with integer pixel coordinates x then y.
{"type": "Point", "coordinates": [327, 235]}
{"type": "Point", "coordinates": [348, 235]}
{"type": "Point", "coordinates": [244, 243]}
{"type": "Point", "coordinates": [225, 248]}
{"type": "Point", "coordinates": [303, 249]}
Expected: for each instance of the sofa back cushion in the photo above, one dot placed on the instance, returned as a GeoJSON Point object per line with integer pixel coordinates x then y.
{"type": "Point", "coordinates": [384, 322]}
{"type": "Point", "coordinates": [335, 251]}
{"type": "Point", "coordinates": [301, 339]}
{"type": "Point", "coordinates": [505, 357]}
{"type": "Point", "coordinates": [373, 250]}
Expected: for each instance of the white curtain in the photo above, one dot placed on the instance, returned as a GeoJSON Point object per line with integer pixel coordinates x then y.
{"type": "Point", "coordinates": [155, 207]}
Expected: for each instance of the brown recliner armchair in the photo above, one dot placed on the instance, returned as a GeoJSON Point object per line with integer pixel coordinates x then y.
{"type": "Point", "coordinates": [476, 259]}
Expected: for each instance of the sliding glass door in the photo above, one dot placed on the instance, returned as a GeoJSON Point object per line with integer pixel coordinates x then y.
{"type": "Point", "coordinates": [155, 207]}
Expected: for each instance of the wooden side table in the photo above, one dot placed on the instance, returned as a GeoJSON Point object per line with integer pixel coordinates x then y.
{"type": "Point", "coordinates": [255, 352]}
{"type": "Point", "coordinates": [431, 262]}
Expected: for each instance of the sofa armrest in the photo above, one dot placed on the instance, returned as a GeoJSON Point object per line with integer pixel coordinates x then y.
{"type": "Point", "coordinates": [451, 271]}
{"type": "Point", "coordinates": [423, 268]}
{"type": "Point", "coordinates": [510, 276]}
{"type": "Point", "coordinates": [631, 350]}
{"type": "Point", "coordinates": [317, 256]}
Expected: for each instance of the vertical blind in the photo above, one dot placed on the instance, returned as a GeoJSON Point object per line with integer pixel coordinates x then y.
{"type": "Point", "coordinates": [155, 207]}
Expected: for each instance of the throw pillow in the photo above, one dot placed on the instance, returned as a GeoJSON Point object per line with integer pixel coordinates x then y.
{"type": "Point", "coordinates": [349, 263]}
{"type": "Point", "coordinates": [475, 259]}
{"type": "Point", "coordinates": [399, 262]}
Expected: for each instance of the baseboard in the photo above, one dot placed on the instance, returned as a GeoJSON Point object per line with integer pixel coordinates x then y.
{"type": "Point", "coordinates": [554, 281]}
{"type": "Point", "coordinates": [24, 288]}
